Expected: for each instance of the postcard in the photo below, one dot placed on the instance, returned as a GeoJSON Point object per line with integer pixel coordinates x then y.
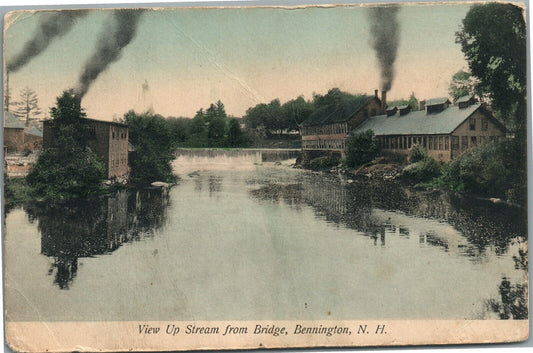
{"type": "Point", "coordinates": [243, 177]}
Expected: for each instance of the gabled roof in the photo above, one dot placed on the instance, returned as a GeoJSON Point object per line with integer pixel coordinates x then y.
{"type": "Point", "coordinates": [336, 113]}
{"type": "Point", "coordinates": [419, 122]}
{"type": "Point", "coordinates": [464, 99]}
{"type": "Point", "coordinates": [12, 122]}
{"type": "Point", "coordinates": [436, 101]}
{"type": "Point", "coordinates": [34, 131]}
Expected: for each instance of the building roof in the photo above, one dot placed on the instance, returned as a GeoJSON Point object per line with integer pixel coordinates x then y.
{"type": "Point", "coordinates": [34, 131]}
{"type": "Point", "coordinates": [12, 122]}
{"type": "Point", "coordinates": [116, 123]}
{"type": "Point", "coordinates": [419, 122]}
{"type": "Point", "coordinates": [436, 101]}
{"type": "Point", "coordinates": [336, 113]}
{"type": "Point", "coordinates": [465, 99]}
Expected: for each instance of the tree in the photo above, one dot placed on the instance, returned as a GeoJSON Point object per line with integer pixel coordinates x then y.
{"type": "Point", "coordinates": [334, 96]}
{"type": "Point", "coordinates": [413, 102]}
{"type": "Point", "coordinates": [27, 106]}
{"type": "Point", "coordinates": [152, 139]}
{"type": "Point", "coordinates": [295, 111]}
{"type": "Point", "coordinates": [493, 40]}
{"type": "Point", "coordinates": [68, 169]}
{"type": "Point", "coordinates": [463, 84]}
{"type": "Point", "coordinates": [234, 138]}
{"type": "Point", "coordinates": [361, 148]}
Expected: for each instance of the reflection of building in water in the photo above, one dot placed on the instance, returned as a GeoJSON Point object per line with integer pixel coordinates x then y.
{"type": "Point", "coordinates": [456, 224]}
{"type": "Point", "coordinates": [99, 226]}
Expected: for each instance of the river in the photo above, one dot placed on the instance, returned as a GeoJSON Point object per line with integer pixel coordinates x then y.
{"type": "Point", "coordinates": [246, 237]}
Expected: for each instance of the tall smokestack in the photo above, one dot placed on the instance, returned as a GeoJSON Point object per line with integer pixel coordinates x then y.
{"type": "Point", "coordinates": [51, 25]}
{"type": "Point", "coordinates": [383, 101]}
{"type": "Point", "coordinates": [385, 30]}
{"type": "Point", "coordinates": [108, 49]}
{"type": "Point", "coordinates": [6, 93]}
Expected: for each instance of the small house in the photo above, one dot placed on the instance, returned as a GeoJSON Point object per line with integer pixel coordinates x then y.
{"type": "Point", "coordinates": [13, 133]}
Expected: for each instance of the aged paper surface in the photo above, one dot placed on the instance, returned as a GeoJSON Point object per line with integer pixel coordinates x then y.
{"type": "Point", "coordinates": [184, 178]}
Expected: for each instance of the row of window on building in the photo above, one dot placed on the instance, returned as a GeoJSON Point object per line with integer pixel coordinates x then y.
{"type": "Point", "coordinates": [339, 144]}
{"type": "Point", "coordinates": [121, 134]}
{"type": "Point", "coordinates": [484, 124]}
{"type": "Point", "coordinates": [439, 143]}
{"type": "Point", "coordinates": [331, 129]}
{"type": "Point", "coordinates": [119, 159]}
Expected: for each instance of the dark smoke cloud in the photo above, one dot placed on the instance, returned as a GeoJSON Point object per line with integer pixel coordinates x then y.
{"type": "Point", "coordinates": [109, 46]}
{"type": "Point", "coordinates": [51, 25]}
{"type": "Point", "coordinates": [385, 33]}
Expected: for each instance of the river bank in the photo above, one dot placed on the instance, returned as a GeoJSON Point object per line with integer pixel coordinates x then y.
{"type": "Point", "coordinates": [417, 176]}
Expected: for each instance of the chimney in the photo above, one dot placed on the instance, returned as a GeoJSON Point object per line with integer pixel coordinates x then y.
{"type": "Point", "coordinates": [422, 105]}
{"type": "Point", "coordinates": [383, 101]}
{"type": "Point", "coordinates": [6, 99]}
{"type": "Point", "coordinates": [376, 93]}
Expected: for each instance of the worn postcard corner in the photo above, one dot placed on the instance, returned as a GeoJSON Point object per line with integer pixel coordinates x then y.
{"type": "Point", "coordinates": [243, 177]}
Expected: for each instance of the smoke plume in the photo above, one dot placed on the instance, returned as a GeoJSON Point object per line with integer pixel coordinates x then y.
{"type": "Point", "coordinates": [109, 46]}
{"type": "Point", "coordinates": [51, 25]}
{"type": "Point", "coordinates": [385, 32]}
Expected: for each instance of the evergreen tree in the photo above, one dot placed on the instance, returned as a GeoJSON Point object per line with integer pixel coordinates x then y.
{"type": "Point", "coordinates": [28, 105]}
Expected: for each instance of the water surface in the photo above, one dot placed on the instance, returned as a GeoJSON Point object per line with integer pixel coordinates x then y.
{"type": "Point", "coordinates": [241, 238]}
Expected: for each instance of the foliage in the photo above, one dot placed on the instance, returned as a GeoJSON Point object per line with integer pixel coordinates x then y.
{"type": "Point", "coordinates": [423, 170]}
{"type": "Point", "coordinates": [361, 148]}
{"type": "Point", "coordinates": [485, 169]}
{"type": "Point", "coordinates": [463, 84]}
{"type": "Point", "coordinates": [152, 140]}
{"type": "Point", "coordinates": [333, 96]}
{"type": "Point", "coordinates": [513, 304]}
{"type": "Point", "coordinates": [323, 163]}
{"type": "Point", "coordinates": [411, 102]}
{"type": "Point", "coordinates": [16, 192]}
{"type": "Point", "coordinates": [234, 134]}
{"type": "Point", "coordinates": [68, 168]}
{"type": "Point", "coordinates": [417, 154]}
{"type": "Point", "coordinates": [28, 105]}
{"type": "Point", "coordinates": [493, 40]}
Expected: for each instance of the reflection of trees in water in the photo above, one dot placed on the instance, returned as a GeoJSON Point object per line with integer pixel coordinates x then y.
{"type": "Point", "coordinates": [89, 227]}
{"type": "Point", "coordinates": [481, 222]}
{"type": "Point", "coordinates": [512, 303]}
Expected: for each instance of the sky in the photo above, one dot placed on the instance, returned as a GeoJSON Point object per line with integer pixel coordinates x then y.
{"type": "Point", "coordinates": [189, 58]}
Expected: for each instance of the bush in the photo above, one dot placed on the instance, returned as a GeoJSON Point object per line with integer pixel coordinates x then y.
{"type": "Point", "coordinates": [421, 171]}
{"type": "Point", "coordinates": [361, 148]}
{"type": "Point", "coordinates": [323, 163]}
{"type": "Point", "coordinates": [417, 154]}
{"type": "Point", "coordinates": [485, 169]}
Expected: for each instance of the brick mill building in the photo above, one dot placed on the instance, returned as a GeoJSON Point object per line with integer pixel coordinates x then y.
{"type": "Point", "coordinates": [109, 140]}
{"type": "Point", "coordinates": [445, 131]}
{"type": "Point", "coordinates": [325, 130]}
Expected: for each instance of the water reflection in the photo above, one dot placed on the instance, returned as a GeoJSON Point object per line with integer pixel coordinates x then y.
{"type": "Point", "coordinates": [363, 206]}
{"type": "Point", "coordinates": [85, 228]}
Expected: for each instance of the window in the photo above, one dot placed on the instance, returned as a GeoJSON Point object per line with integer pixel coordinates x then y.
{"type": "Point", "coordinates": [464, 143]}
{"type": "Point", "coordinates": [446, 143]}
{"type": "Point", "coordinates": [473, 140]}
{"type": "Point", "coordinates": [455, 143]}
{"type": "Point", "coordinates": [484, 124]}
{"type": "Point", "coordinates": [472, 124]}
{"type": "Point", "coordinates": [430, 142]}
{"type": "Point", "coordinates": [440, 142]}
